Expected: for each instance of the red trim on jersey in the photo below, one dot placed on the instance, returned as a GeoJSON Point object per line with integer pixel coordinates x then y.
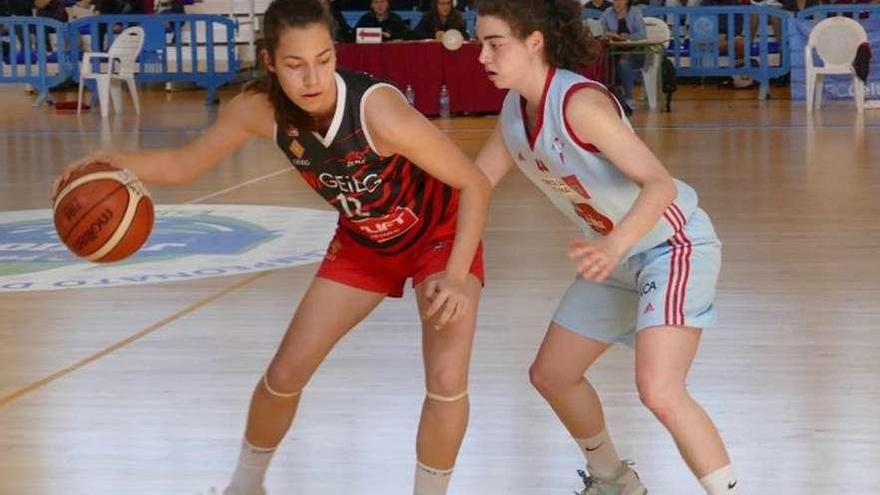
{"type": "Point", "coordinates": [679, 274]}
{"type": "Point", "coordinates": [539, 120]}
{"type": "Point", "coordinates": [568, 94]}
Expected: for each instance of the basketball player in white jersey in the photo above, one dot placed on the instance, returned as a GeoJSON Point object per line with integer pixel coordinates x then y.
{"type": "Point", "coordinates": [649, 257]}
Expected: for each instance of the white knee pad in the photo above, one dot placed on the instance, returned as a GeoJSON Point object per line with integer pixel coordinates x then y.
{"type": "Point", "coordinates": [443, 398]}
{"type": "Point", "coordinates": [276, 393]}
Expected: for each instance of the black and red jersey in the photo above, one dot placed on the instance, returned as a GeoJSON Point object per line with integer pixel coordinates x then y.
{"type": "Point", "coordinates": [385, 202]}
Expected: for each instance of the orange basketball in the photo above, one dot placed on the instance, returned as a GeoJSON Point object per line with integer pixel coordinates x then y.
{"type": "Point", "coordinates": [103, 213]}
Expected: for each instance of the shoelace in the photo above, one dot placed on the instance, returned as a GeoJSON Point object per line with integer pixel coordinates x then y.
{"type": "Point", "coordinates": [589, 481]}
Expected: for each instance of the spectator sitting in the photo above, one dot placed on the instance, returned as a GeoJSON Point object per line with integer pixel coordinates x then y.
{"type": "Point", "coordinates": [440, 19]}
{"type": "Point", "coordinates": [52, 9]}
{"type": "Point", "coordinates": [624, 22]}
{"type": "Point", "coordinates": [380, 16]}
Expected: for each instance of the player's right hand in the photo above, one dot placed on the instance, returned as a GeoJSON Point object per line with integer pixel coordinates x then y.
{"type": "Point", "coordinates": [96, 156]}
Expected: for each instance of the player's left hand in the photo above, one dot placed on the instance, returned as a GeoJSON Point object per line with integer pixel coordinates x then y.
{"type": "Point", "coordinates": [446, 294]}
{"type": "Point", "coordinates": [595, 259]}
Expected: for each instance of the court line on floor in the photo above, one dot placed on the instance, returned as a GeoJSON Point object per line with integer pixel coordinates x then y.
{"type": "Point", "coordinates": [240, 185]}
{"type": "Point", "coordinates": [42, 382]}
{"type": "Point", "coordinates": [16, 394]}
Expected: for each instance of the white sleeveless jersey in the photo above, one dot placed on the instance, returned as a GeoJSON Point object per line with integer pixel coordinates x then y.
{"type": "Point", "coordinates": [576, 176]}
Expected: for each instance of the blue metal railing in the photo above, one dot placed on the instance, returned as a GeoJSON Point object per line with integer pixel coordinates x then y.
{"type": "Point", "coordinates": [697, 35]}
{"type": "Point", "coordinates": [193, 48]}
{"type": "Point", "coordinates": [28, 54]}
{"type": "Point", "coordinates": [177, 47]}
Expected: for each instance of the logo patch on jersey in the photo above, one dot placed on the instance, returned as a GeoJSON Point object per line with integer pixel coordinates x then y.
{"type": "Point", "coordinates": [576, 185]}
{"type": "Point", "coordinates": [292, 132]}
{"type": "Point", "coordinates": [349, 184]}
{"type": "Point", "coordinates": [356, 158]}
{"type": "Point", "coordinates": [559, 147]}
{"type": "Point", "coordinates": [387, 227]}
{"type": "Point", "coordinates": [558, 185]}
{"type": "Point", "coordinates": [648, 309]}
{"type": "Point", "coordinates": [297, 149]}
{"type": "Point", "coordinates": [597, 221]}
{"type": "Point", "coordinates": [648, 288]}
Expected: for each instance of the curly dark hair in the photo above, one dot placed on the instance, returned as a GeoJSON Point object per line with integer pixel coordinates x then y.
{"type": "Point", "coordinates": [567, 42]}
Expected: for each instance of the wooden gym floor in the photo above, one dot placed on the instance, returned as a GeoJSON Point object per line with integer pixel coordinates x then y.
{"type": "Point", "coordinates": [143, 390]}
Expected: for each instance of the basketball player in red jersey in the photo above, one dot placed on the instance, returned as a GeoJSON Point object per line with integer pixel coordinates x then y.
{"type": "Point", "coordinates": [411, 205]}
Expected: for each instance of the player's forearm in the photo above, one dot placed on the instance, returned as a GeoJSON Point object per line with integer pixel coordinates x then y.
{"type": "Point", "coordinates": [167, 166]}
{"type": "Point", "coordinates": [655, 197]}
{"type": "Point", "coordinates": [472, 210]}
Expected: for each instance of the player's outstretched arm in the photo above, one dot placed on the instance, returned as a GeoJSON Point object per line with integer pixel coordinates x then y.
{"type": "Point", "coordinates": [246, 115]}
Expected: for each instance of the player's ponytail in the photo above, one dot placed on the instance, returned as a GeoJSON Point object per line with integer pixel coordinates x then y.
{"type": "Point", "coordinates": [279, 17]}
{"type": "Point", "coordinates": [567, 41]}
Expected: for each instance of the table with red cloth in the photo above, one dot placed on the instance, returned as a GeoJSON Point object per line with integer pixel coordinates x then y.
{"type": "Point", "coordinates": [427, 66]}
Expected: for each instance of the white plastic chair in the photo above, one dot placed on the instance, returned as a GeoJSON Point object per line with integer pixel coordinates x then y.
{"type": "Point", "coordinates": [121, 65]}
{"type": "Point", "coordinates": [835, 40]}
{"type": "Point", "coordinates": [658, 31]}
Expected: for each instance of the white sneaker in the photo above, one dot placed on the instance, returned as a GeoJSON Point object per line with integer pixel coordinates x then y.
{"type": "Point", "coordinates": [623, 482]}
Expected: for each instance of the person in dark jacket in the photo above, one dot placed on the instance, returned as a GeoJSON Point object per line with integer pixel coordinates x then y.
{"type": "Point", "coordinates": [441, 18]}
{"type": "Point", "coordinates": [381, 16]}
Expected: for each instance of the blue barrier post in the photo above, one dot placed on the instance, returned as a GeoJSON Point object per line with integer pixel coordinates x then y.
{"type": "Point", "coordinates": [23, 62]}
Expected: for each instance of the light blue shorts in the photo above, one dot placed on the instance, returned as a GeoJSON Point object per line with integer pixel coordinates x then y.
{"type": "Point", "coordinates": [672, 284]}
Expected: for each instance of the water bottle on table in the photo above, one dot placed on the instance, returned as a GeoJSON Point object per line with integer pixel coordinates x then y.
{"type": "Point", "coordinates": [444, 103]}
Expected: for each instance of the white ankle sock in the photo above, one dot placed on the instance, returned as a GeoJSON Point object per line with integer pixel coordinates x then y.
{"type": "Point", "coordinates": [430, 481]}
{"type": "Point", "coordinates": [721, 482]}
{"type": "Point", "coordinates": [600, 454]}
{"type": "Point", "coordinates": [251, 470]}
